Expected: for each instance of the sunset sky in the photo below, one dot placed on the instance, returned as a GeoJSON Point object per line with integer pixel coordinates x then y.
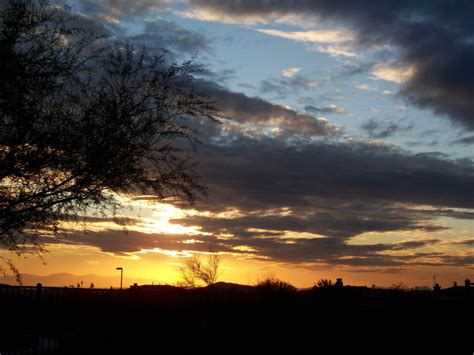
{"type": "Point", "coordinates": [346, 149]}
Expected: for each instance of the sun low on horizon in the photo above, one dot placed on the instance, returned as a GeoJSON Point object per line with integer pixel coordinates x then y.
{"type": "Point", "coordinates": [344, 148]}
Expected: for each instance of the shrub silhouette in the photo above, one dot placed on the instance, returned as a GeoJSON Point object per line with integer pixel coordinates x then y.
{"type": "Point", "coordinates": [273, 285]}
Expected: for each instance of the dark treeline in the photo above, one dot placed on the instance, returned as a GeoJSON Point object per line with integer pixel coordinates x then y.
{"type": "Point", "coordinates": [228, 318]}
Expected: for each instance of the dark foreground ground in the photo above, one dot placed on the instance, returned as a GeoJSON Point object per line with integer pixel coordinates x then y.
{"type": "Point", "coordinates": [227, 319]}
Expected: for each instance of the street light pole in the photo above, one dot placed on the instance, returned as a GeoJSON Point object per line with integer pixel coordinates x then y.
{"type": "Point", "coordinates": [121, 275]}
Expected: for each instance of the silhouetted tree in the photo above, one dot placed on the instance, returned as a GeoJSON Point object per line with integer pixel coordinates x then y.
{"type": "Point", "coordinates": [195, 271]}
{"type": "Point", "coordinates": [83, 120]}
{"type": "Point", "coordinates": [324, 283]}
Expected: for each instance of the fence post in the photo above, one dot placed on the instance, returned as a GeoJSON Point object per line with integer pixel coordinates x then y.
{"type": "Point", "coordinates": [38, 292]}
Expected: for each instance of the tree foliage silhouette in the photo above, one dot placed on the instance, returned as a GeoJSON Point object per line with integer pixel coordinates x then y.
{"type": "Point", "coordinates": [83, 119]}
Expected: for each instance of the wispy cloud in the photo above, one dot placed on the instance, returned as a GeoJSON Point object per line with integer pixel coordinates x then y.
{"type": "Point", "coordinates": [336, 51]}
{"type": "Point", "coordinates": [289, 73]}
{"type": "Point", "coordinates": [364, 86]}
{"type": "Point", "coordinates": [287, 86]}
{"type": "Point", "coordinates": [315, 110]}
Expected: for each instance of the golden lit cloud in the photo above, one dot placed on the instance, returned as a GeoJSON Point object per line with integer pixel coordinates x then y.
{"type": "Point", "coordinates": [143, 216]}
{"type": "Point", "coordinates": [211, 16]}
{"type": "Point", "coordinates": [160, 222]}
{"type": "Point", "coordinates": [245, 248]}
{"type": "Point", "coordinates": [389, 72]}
{"type": "Point", "coordinates": [172, 253]}
{"type": "Point", "coordinates": [321, 36]}
{"type": "Point", "coordinates": [335, 42]}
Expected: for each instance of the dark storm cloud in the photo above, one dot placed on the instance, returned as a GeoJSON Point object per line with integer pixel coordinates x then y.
{"type": "Point", "coordinates": [266, 173]}
{"type": "Point", "coordinates": [319, 250]}
{"type": "Point", "coordinates": [464, 141]}
{"type": "Point", "coordinates": [253, 110]}
{"type": "Point", "coordinates": [436, 37]}
{"type": "Point", "coordinates": [455, 260]}
{"type": "Point", "coordinates": [337, 219]}
{"type": "Point", "coordinates": [332, 251]}
{"type": "Point", "coordinates": [120, 243]}
{"type": "Point", "coordinates": [336, 252]}
{"type": "Point", "coordinates": [415, 244]}
{"type": "Point", "coordinates": [378, 262]}
{"type": "Point", "coordinates": [468, 242]}
{"type": "Point", "coordinates": [382, 129]}
{"type": "Point", "coordinates": [451, 213]}
{"type": "Point", "coordinates": [336, 191]}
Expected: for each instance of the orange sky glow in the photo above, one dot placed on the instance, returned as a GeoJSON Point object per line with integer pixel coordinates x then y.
{"type": "Point", "coordinates": [244, 264]}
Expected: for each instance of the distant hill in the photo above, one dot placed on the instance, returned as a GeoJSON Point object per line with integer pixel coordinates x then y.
{"type": "Point", "coordinates": [227, 286]}
{"type": "Point", "coordinates": [64, 279]}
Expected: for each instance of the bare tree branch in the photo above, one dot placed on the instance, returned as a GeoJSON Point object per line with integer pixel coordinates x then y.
{"type": "Point", "coordinates": [195, 271]}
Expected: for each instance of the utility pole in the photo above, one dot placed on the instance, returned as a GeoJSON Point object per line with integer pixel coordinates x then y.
{"type": "Point", "coordinates": [121, 275]}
